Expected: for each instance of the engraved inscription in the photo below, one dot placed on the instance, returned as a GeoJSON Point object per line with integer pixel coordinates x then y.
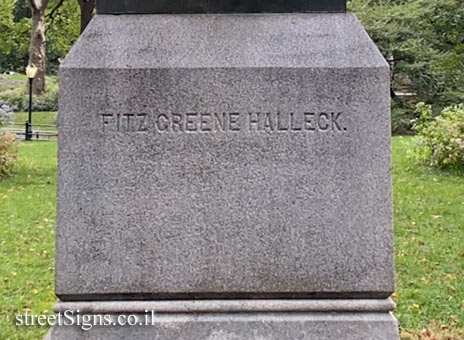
{"type": "Point", "coordinates": [194, 122]}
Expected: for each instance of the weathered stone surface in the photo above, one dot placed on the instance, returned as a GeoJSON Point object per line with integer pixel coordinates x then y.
{"type": "Point", "coordinates": [350, 326]}
{"type": "Point", "coordinates": [247, 327]}
{"type": "Point", "coordinates": [230, 306]}
{"type": "Point", "coordinates": [216, 320]}
{"type": "Point", "coordinates": [237, 156]}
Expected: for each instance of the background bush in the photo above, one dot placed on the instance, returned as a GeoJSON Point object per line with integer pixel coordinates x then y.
{"type": "Point", "coordinates": [17, 97]}
{"type": "Point", "coordinates": [6, 113]}
{"type": "Point", "coordinates": [423, 41]}
{"type": "Point", "coordinates": [401, 118]}
{"type": "Point", "coordinates": [8, 153]}
{"type": "Point", "coordinates": [440, 140]}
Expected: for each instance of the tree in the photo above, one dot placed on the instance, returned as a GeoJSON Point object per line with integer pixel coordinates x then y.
{"type": "Point", "coordinates": [62, 28]}
{"type": "Point", "coordinates": [6, 24]}
{"type": "Point", "coordinates": [62, 31]}
{"type": "Point", "coordinates": [37, 46]}
{"type": "Point", "coordinates": [14, 34]}
{"type": "Point", "coordinates": [423, 40]}
{"type": "Point", "coordinates": [87, 8]}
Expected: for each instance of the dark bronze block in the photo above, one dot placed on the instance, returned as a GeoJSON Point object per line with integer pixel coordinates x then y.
{"type": "Point", "coordinates": [218, 6]}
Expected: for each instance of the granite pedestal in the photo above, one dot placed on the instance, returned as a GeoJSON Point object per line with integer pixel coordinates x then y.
{"type": "Point", "coordinates": [230, 173]}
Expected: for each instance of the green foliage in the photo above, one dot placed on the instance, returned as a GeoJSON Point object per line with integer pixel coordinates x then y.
{"type": "Point", "coordinates": [46, 102]}
{"type": "Point", "coordinates": [15, 94]}
{"type": "Point", "coordinates": [14, 34]}
{"type": "Point", "coordinates": [424, 42]}
{"type": "Point", "coordinates": [440, 140]}
{"type": "Point", "coordinates": [8, 153]}
{"type": "Point", "coordinates": [401, 118]}
{"type": "Point", "coordinates": [6, 24]}
{"type": "Point", "coordinates": [62, 30]}
{"type": "Point", "coordinates": [21, 10]}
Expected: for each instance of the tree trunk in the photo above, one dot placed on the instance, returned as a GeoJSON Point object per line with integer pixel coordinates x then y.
{"type": "Point", "coordinates": [37, 45]}
{"type": "Point", "coordinates": [87, 8]}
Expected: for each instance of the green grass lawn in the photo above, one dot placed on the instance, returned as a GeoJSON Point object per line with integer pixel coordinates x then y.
{"type": "Point", "coordinates": [15, 86]}
{"type": "Point", "coordinates": [16, 76]}
{"type": "Point", "coordinates": [11, 82]}
{"type": "Point", "coordinates": [38, 118]}
{"type": "Point", "coordinates": [27, 232]}
{"type": "Point", "coordinates": [18, 82]}
{"type": "Point", "coordinates": [429, 229]}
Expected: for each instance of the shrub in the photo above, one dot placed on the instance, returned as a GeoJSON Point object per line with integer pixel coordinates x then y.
{"type": "Point", "coordinates": [423, 42]}
{"type": "Point", "coordinates": [6, 113]}
{"type": "Point", "coordinates": [14, 98]}
{"type": "Point", "coordinates": [400, 119]}
{"type": "Point", "coordinates": [440, 140]}
{"type": "Point", "coordinates": [8, 153]}
{"type": "Point", "coordinates": [19, 100]}
{"type": "Point", "coordinates": [46, 102]}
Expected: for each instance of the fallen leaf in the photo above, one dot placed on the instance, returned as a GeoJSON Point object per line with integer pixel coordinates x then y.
{"type": "Point", "coordinates": [450, 277]}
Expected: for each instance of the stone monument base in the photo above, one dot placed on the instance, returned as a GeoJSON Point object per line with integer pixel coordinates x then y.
{"type": "Point", "coordinates": [233, 320]}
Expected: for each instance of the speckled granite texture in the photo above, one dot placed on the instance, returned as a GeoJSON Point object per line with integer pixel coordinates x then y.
{"type": "Point", "coordinates": [236, 320]}
{"type": "Point", "coordinates": [240, 160]}
{"type": "Point", "coordinates": [349, 326]}
{"type": "Point", "coordinates": [224, 156]}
